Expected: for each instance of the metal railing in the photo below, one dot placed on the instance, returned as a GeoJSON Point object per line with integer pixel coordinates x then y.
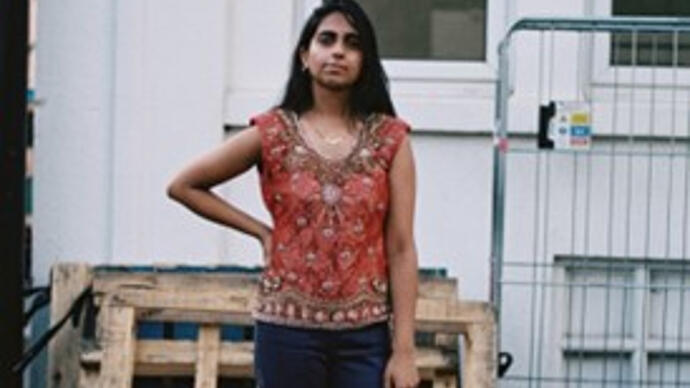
{"type": "Point", "coordinates": [590, 244]}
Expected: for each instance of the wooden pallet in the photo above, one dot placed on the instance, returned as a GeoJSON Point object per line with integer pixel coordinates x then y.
{"type": "Point", "coordinates": [213, 299]}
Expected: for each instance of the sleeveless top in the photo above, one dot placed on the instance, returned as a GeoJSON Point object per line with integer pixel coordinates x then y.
{"type": "Point", "coordinates": [328, 266]}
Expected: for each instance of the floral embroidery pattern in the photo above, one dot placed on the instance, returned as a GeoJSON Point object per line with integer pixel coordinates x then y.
{"type": "Point", "coordinates": [328, 266]}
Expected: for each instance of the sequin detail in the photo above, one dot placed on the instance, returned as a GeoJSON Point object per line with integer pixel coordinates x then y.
{"type": "Point", "coordinates": [328, 268]}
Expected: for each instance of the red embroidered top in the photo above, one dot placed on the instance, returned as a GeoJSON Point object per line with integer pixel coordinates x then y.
{"type": "Point", "coordinates": [328, 266]}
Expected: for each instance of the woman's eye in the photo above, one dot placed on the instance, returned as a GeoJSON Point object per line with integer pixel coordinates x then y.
{"type": "Point", "coordinates": [353, 42]}
{"type": "Point", "coordinates": [326, 39]}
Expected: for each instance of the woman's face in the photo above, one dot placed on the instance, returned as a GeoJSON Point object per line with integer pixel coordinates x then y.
{"type": "Point", "coordinates": [334, 56]}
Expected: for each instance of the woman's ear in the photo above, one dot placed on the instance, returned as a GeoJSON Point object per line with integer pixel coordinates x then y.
{"type": "Point", "coordinates": [303, 55]}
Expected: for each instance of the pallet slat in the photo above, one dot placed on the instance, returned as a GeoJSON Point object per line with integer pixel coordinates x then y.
{"type": "Point", "coordinates": [243, 284]}
{"type": "Point", "coordinates": [119, 347]}
{"type": "Point", "coordinates": [208, 349]}
{"type": "Point", "coordinates": [68, 280]}
{"type": "Point", "coordinates": [179, 358]}
{"type": "Point", "coordinates": [235, 359]}
{"type": "Point", "coordinates": [480, 348]}
{"type": "Point", "coordinates": [223, 306]}
{"type": "Point", "coordinates": [450, 316]}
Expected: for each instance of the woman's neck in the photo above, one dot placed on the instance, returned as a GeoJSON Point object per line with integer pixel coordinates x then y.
{"type": "Point", "coordinates": [330, 103]}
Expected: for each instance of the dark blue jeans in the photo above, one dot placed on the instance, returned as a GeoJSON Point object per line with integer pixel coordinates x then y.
{"type": "Point", "coordinates": [320, 358]}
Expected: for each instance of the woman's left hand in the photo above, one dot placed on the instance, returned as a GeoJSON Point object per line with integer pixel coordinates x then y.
{"type": "Point", "coordinates": [401, 371]}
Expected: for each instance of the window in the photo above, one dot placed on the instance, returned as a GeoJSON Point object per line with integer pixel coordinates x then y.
{"type": "Point", "coordinates": [595, 311]}
{"type": "Point", "coordinates": [440, 54]}
{"type": "Point", "coordinates": [651, 8]}
{"type": "Point", "coordinates": [592, 370]}
{"type": "Point", "coordinates": [619, 311]}
{"type": "Point", "coordinates": [668, 370]}
{"type": "Point", "coordinates": [433, 29]}
{"type": "Point", "coordinates": [652, 49]}
{"type": "Point", "coordinates": [598, 320]}
{"type": "Point", "coordinates": [669, 305]}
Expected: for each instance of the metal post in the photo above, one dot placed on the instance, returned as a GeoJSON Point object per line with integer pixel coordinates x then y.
{"type": "Point", "coordinates": [500, 148]}
{"type": "Point", "coordinates": [13, 84]}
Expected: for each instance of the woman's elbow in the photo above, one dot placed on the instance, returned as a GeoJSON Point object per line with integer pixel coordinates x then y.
{"type": "Point", "coordinates": [175, 190]}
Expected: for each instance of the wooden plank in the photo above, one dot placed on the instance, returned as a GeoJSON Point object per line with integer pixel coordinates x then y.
{"type": "Point", "coordinates": [181, 299]}
{"type": "Point", "coordinates": [445, 382]}
{"type": "Point", "coordinates": [432, 314]}
{"type": "Point", "coordinates": [118, 343]}
{"type": "Point", "coordinates": [479, 369]}
{"type": "Point", "coordinates": [432, 362]}
{"type": "Point", "coordinates": [429, 287]}
{"type": "Point", "coordinates": [235, 359]}
{"type": "Point", "coordinates": [178, 358]}
{"type": "Point", "coordinates": [68, 281]}
{"type": "Point", "coordinates": [437, 288]}
{"type": "Point", "coordinates": [206, 374]}
{"type": "Point", "coordinates": [204, 317]}
{"type": "Point", "coordinates": [88, 378]}
{"type": "Point", "coordinates": [237, 283]}
{"type": "Point", "coordinates": [109, 282]}
{"type": "Point", "coordinates": [450, 316]}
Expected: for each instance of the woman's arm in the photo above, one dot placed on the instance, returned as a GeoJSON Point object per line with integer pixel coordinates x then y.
{"type": "Point", "coordinates": [192, 186]}
{"type": "Point", "coordinates": [402, 262]}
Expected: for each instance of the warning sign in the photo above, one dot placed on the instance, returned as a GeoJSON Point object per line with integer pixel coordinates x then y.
{"type": "Point", "coordinates": [566, 125]}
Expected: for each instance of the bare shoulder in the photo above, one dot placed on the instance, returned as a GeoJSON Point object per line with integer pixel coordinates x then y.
{"type": "Point", "coordinates": [236, 154]}
{"type": "Point", "coordinates": [396, 124]}
{"type": "Point", "coordinates": [246, 141]}
{"type": "Point", "coordinates": [240, 150]}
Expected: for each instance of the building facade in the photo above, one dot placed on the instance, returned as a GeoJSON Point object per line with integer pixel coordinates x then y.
{"type": "Point", "coordinates": [132, 90]}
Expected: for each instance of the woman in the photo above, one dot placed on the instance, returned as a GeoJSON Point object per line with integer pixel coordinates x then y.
{"type": "Point", "coordinates": [337, 175]}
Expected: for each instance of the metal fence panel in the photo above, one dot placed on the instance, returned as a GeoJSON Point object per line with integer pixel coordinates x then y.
{"type": "Point", "coordinates": [591, 232]}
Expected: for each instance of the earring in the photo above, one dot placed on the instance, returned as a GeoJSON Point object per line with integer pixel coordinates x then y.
{"type": "Point", "coordinates": [305, 68]}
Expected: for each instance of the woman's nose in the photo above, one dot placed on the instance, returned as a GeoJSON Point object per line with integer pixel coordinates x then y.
{"type": "Point", "coordinates": [338, 50]}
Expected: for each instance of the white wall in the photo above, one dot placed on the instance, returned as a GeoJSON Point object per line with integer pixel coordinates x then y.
{"type": "Point", "coordinates": [72, 182]}
{"type": "Point", "coordinates": [132, 90]}
{"type": "Point", "coordinates": [168, 93]}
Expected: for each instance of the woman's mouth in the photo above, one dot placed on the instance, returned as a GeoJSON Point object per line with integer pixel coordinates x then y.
{"type": "Point", "coordinates": [335, 68]}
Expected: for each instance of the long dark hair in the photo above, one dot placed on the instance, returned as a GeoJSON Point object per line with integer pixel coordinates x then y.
{"type": "Point", "coordinates": [370, 93]}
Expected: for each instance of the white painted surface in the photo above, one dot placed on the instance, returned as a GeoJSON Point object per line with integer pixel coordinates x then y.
{"type": "Point", "coordinates": [168, 87]}
{"type": "Point", "coordinates": [135, 89]}
{"type": "Point", "coordinates": [71, 182]}
{"type": "Point", "coordinates": [132, 91]}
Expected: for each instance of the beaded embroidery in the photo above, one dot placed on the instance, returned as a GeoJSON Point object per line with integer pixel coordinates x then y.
{"type": "Point", "coordinates": [328, 267]}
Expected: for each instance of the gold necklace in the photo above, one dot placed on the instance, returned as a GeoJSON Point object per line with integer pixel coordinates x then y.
{"type": "Point", "coordinates": [331, 141]}
{"type": "Point", "coordinates": [327, 139]}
